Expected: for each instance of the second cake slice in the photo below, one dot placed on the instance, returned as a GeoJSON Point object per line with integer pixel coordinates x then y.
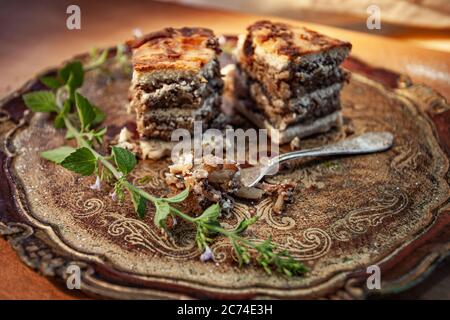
{"type": "Point", "coordinates": [289, 79]}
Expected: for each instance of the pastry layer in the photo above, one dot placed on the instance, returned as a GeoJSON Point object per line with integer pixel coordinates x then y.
{"type": "Point", "coordinates": [319, 125]}
{"type": "Point", "coordinates": [186, 49]}
{"type": "Point", "coordinates": [283, 113]}
{"type": "Point", "coordinates": [177, 89]}
{"type": "Point", "coordinates": [288, 79]}
{"type": "Point", "coordinates": [161, 122]}
{"type": "Point", "coordinates": [176, 80]}
{"type": "Point", "coordinates": [283, 58]}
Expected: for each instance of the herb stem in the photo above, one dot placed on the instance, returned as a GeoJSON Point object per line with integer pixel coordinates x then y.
{"type": "Point", "coordinates": [183, 215]}
{"type": "Point", "coordinates": [232, 235]}
{"type": "Point", "coordinates": [82, 142]}
{"type": "Point", "coordinates": [122, 161]}
{"type": "Point", "coordinates": [118, 175]}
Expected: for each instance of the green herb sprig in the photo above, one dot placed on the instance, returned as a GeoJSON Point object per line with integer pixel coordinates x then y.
{"type": "Point", "coordinates": [81, 118]}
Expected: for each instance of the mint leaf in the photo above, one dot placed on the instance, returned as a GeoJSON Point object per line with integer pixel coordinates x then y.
{"type": "Point", "coordinates": [57, 155]}
{"type": "Point", "coordinates": [179, 197]}
{"type": "Point", "coordinates": [140, 204]}
{"type": "Point", "coordinates": [59, 120]}
{"type": "Point", "coordinates": [161, 214]}
{"type": "Point", "coordinates": [86, 112]}
{"type": "Point", "coordinates": [99, 115]}
{"type": "Point", "coordinates": [51, 82]}
{"type": "Point", "coordinates": [125, 160]}
{"type": "Point", "coordinates": [41, 101]}
{"type": "Point", "coordinates": [69, 135]}
{"type": "Point", "coordinates": [72, 71]}
{"type": "Point", "coordinates": [81, 161]}
{"type": "Point", "coordinates": [211, 213]}
{"type": "Point", "coordinates": [210, 225]}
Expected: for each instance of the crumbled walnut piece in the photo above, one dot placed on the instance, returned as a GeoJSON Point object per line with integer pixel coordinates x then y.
{"type": "Point", "coordinates": [155, 149]}
{"type": "Point", "coordinates": [211, 161]}
{"type": "Point", "coordinates": [183, 165]}
{"type": "Point", "coordinates": [124, 135]}
{"type": "Point", "coordinates": [279, 204]}
{"type": "Point", "coordinates": [171, 179]}
{"type": "Point", "coordinates": [295, 143]}
{"type": "Point", "coordinates": [283, 193]}
{"type": "Point", "coordinates": [208, 180]}
{"type": "Point", "coordinates": [125, 140]}
{"type": "Point", "coordinates": [211, 181]}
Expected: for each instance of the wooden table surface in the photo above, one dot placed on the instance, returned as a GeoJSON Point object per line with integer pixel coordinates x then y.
{"type": "Point", "coordinates": [34, 36]}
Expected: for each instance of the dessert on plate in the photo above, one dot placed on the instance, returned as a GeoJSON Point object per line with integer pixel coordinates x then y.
{"type": "Point", "coordinates": [288, 79]}
{"type": "Point", "coordinates": [176, 81]}
{"type": "Point", "coordinates": [285, 79]}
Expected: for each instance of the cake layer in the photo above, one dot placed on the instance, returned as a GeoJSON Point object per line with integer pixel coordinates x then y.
{"type": "Point", "coordinates": [288, 79]}
{"type": "Point", "coordinates": [281, 114]}
{"type": "Point", "coordinates": [300, 130]}
{"type": "Point", "coordinates": [174, 49]}
{"type": "Point", "coordinates": [177, 89]}
{"type": "Point", "coordinates": [160, 123]}
{"type": "Point", "coordinates": [283, 58]}
{"type": "Point", "coordinates": [176, 80]}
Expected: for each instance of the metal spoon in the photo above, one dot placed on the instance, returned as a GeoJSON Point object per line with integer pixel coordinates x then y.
{"type": "Point", "coordinates": [369, 142]}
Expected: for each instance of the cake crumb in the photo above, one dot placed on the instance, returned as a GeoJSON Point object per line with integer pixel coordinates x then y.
{"type": "Point", "coordinates": [295, 143]}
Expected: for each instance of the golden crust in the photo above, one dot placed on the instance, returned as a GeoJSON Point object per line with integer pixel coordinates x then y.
{"type": "Point", "coordinates": [175, 49]}
{"type": "Point", "coordinates": [289, 41]}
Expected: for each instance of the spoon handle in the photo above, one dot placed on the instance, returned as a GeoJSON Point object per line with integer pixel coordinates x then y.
{"type": "Point", "coordinates": [366, 143]}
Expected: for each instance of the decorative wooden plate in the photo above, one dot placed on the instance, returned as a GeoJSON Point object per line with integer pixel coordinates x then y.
{"type": "Point", "coordinates": [390, 209]}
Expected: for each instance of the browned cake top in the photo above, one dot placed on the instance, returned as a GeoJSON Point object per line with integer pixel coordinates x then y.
{"type": "Point", "coordinates": [183, 49]}
{"type": "Point", "coordinates": [284, 42]}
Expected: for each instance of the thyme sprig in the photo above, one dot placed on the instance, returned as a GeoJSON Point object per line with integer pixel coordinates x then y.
{"type": "Point", "coordinates": [81, 118]}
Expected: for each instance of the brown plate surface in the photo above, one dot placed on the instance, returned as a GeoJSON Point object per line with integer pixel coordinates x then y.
{"type": "Point", "coordinates": [389, 209]}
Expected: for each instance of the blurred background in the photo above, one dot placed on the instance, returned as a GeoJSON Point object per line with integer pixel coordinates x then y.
{"type": "Point", "coordinates": [413, 38]}
{"type": "Point", "coordinates": [423, 22]}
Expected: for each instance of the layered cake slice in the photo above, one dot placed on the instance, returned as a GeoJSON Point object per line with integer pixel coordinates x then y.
{"type": "Point", "coordinates": [176, 81]}
{"type": "Point", "coordinates": [288, 79]}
